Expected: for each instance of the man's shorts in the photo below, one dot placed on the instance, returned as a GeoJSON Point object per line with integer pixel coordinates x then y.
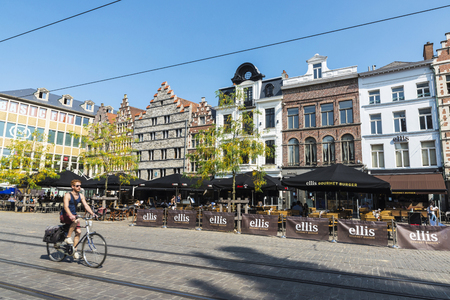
{"type": "Point", "coordinates": [66, 220]}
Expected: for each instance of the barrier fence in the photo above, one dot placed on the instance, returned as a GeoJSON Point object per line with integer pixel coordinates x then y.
{"type": "Point", "coordinates": [348, 231]}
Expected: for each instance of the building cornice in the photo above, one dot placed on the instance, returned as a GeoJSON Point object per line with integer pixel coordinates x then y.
{"type": "Point", "coordinates": [402, 67]}
{"type": "Point", "coordinates": [317, 81]}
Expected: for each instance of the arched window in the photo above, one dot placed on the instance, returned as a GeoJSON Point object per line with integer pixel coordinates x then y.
{"type": "Point", "coordinates": [269, 90]}
{"type": "Point", "coordinates": [293, 152]}
{"type": "Point", "coordinates": [328, 150]}
{"type": "Point", "coordinates": [310, 151]}
{"type": "Point", "coordinates": [348, 149]}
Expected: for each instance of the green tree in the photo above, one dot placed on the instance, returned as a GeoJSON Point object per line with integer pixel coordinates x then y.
{"type": "Point", "coordinates": [222, 150]}
{"type": "Point", "coordinates": [26, 165]}
{"type": "Point", "coordinates": [109, 151]}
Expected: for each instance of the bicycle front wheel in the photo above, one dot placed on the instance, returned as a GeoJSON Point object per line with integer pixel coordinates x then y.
{"type": "Point", "coordinates": [94, 250]}
{"type": "Point", "coordinates": [55, 253]}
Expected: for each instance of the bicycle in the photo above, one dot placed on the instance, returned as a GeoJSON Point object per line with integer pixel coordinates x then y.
{"type": "Point", "coordinates": [93, 250]}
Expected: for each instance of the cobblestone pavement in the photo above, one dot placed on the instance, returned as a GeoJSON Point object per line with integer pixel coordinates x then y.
{"type": "Point", "coordinates": [168, 263]}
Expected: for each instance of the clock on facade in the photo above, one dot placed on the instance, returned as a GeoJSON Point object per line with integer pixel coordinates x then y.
{"type": "Point", "coordinates": [248, 75]}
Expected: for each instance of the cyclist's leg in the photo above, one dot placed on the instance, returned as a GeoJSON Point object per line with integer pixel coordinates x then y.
{"type": "Point", "coordinates": [77, 236]}
{"type": "Point", "coordinates": [72, 227]}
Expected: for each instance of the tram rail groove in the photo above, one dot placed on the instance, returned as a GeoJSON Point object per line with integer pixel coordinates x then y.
{"type": "Point", "coordinates": [109, 280]}
{"type": "Point", "coordinates": [31, 292]}
{"type": "Point", "coordinates": [335, 272]}
{"type": "Point", "coordinates": [243, 273]}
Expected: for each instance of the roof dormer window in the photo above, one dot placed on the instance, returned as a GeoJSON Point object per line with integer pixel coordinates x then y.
{"type": "Point", "coordinates": [66, 100]}
{"type": "Point", "coordinates": [88, 105]}
{"type": "Point", "coordinates": [42, 94]}
{"type": "Point", "coordinates": [317, 70]}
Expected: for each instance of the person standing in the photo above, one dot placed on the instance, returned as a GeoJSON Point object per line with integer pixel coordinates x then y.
{"type": "Point", "coordinates": [431, 210]}
{"type": "Point", "coordinates": [68, 213]}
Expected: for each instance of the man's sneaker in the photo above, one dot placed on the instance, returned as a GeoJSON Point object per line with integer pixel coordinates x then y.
{"type": "Point", "coordinates": [68, 240]}
{"type": "Point", "coordinates": [76, 255]}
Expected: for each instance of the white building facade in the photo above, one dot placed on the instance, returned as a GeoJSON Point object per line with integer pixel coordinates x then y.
{"type": "Point", "coordinates": [400, 130]}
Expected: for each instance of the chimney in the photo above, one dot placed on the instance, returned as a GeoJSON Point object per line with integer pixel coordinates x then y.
{"type": "Point", "coordinates": [284, 75]}
{"type": "Point", "coordinates": [203, 99]}
{"type": "Point", "coordinates": [428, 51]}
{"type": "Point", "coordinates": [374, 67]}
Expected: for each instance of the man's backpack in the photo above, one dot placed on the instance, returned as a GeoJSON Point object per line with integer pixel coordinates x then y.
{"type": "Point", "coordinates": [54, 234]}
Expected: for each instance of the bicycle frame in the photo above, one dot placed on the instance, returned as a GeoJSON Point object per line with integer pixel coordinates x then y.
{"type": "Point", "coordinates": [86, 234]}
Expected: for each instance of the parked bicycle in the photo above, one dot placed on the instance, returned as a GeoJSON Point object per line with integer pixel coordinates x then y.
{"type": "Point", "coordinates": [93, 249]}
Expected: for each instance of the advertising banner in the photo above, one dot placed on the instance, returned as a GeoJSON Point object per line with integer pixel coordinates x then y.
{"type": "Point", "coordinates": [149, 217]}
{"type": "Point", "coordinates": [221, 221]}
{"type": "Point", "coordinates": [181, 218]}
{"type": "Point", "coordinates": [307, 228]}
{"type": "Point", "coordinates": [423, 237]}
{"type": "Point", "coordinates": [362, 232]}
{"type": "Point", "coordinates": [260, 224]}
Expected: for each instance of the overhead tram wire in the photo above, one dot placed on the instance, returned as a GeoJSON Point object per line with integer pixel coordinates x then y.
{"type": "Point", "coordinates": [251, 49]}
{"type": "Point", "coordinates": [56, 22]}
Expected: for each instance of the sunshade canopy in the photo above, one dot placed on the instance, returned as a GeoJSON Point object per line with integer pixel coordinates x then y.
{"type": "Point", "coordinates": [175, 181]}
{"type": "Point", "coordinates": [246, 181]}
{"type": "Point", "coordinates": [63, 181]}
{"type": "Point", "coordinates": [113, 181]}
{"type": "Point", "coordinates": [337, 178]}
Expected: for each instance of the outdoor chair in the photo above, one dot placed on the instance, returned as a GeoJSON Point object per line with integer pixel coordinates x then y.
{"type": "Point", "coordinates": [2, 204]}
{"type": "Point", "coordinates": [37, 207]}
{"type": "Point", "coordinates": [295, 212]}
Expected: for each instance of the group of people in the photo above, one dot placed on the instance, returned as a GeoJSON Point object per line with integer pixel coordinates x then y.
{"type": "Point", "coordinates": [303, 209]}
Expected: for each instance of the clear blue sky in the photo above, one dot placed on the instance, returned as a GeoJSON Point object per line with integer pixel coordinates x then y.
{"type": "Point", "coordinates": [138, 35]}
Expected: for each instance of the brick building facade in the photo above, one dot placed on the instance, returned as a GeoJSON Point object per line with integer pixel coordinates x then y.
{"type": "Point", "coordinates": [161, 134]}
{"type": "Point", "coordinates": [321, 119]}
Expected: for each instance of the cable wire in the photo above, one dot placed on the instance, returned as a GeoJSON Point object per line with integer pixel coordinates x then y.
{"type": "Point", "coordinates": [56, 22]}
{"type": "Point", "coordinates": [253, 48]}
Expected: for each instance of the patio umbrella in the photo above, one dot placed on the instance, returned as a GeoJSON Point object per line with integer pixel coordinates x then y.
{"type": "Point", "coordinates": [64, 180]}
{"type": "Point", "coordinates": [113, 182]}
{"type": "Point", "coordinates": [337, 178]}
{"type": "Point", "coordinates": [245, 181]}
{"type": "Point", "coordinates": [177, 181]}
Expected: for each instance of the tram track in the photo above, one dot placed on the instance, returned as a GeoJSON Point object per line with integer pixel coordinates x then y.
{"type": "Point", "coordinates": [31, 292]}
{"type": "Point", "coordinates": [247, 273]}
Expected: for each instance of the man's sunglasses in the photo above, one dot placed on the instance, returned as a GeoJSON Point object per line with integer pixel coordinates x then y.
{"type": "Point", "coordinates": [78, 185]}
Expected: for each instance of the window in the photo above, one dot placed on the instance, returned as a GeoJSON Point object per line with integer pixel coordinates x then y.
{"type": "Point", "coordinates": [227, 123]}
{"type": "Point", "coordinates": [51, 136]}
{"type": "Point", "coordinates": [3, 104]}
{"type": "Point", "coordinates": [428, 154]}
{"type": "Point", "coordinates": [76, 142]}
{"type": "Point", "coordinates": [194, 141]}
{"type": "Point", "coordinates": [78, 120]}
{"type": "Point", "coordinates": [377, 156]}
{"type": "Point", "coordinates": [374, 97]}
{"type": "Point", "coordinates": [66, 101]}
{"type": "Point", "coordinates": [328, 150]}
{"type": "Point", "coordinates": [310, 116]}
{"type": "Point", "coordinates": [139, 155]}
{"type": "Point", "coordinates": [346, 111]}
{"type": "Point", "coordinates": [152, 136]}
{"type": "Point", "coordinates": [423, 90]}
{"type": "Point", "coordinates": [310, 151]}
{"type": "Point", "coordinates": [292, 118]}
{"type": "Point", "coordinates": [140, 137]}
{"type": "Point", "coordinates": [2, 127]}
{"type": "Point", "coordinates": [247, 120]}
{"type": "Point", "coordinates": [68, 140]}
{"type": "Point", "coordinates": [62, 117]}
{"type": "Point", "coordinates": [425, 118]}
{"type": "Point", "coordinates": [398, 94]}
{"type": "Point", "coordinates": [399, 121]}
{"type": "Point", "coordinates": [375, 124]}
{"type": "Point", "coordinates": [248, 96]}
{"type": "Point", "coordinates": [23, 109]}
{"type": "Point", "coordinates": [164, 154]}
{"type": "Point", "coordinates": [89, 107]}
{"type": "Point", "coordinates": [151, 154]}
{"type": "Point", "coordinates": [162, 172]}
{"type": "Point", "coordinates": [177, 152]}
{"type": "Point", "coordinates": [42, 113]}
{"type": "Point", "coordinates": [348, 149]}
{"type": "Point", "coordinates": [270, 153]}
{"type": "Point", "coordinates": [42, 95]}
{"type": "Point", "coordinates": [59, 138]}
{"type": "Point", "coordinates": [270, 117]}
{"type": "Point", "coordinates": [202, 120]}
{"type": "Point", "coordinates": [13, 107]}
{"type": "Point", "coordinates": [194, 167]}
{"type": "Point", "coordinates": [154, 121]}
{"type": "Point", "coordinates": [166, 119]}
{"type": "Point", "coordinates": [269, 90]}
{"type": "Point", "coordinates": [401, 155]}
{"type": "Point", "coordinates": [179, 132]}
{"type": "Point", "coordinates": [149, 174]}
{"type": "Point", "coordinates": [447, 79]}
{"type": "Point", "coordinates": [165, 134]}
{"type": "Point", "coordinates": [317, 68]}
{"type": "Point", "coordinates": [293, 152]}
{"type": "Point", "coordinates": [327, 114]}
{"type": "Point", "coordinates": [85, 121]}
{"type": "Point", "coordinates": [177, 171]}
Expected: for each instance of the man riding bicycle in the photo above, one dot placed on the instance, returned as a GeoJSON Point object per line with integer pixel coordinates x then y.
{"type": "Point", "coordinates": [69, 213]}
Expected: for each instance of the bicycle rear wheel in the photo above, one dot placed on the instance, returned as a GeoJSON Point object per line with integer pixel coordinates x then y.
{"type": "Point", "coordinates": [54, 252]}
{"type": "Point", "coordinates": [94, 250]}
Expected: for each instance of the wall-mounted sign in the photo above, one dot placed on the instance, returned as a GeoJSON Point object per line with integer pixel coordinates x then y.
{"type": "Point", "coordinates": [400, 138]}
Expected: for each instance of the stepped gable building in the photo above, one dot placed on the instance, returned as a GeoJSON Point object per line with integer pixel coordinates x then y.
{"type": "Point", "coordinates": [321, 122]}
{"type": "Point", "coordinates": [28, 110]}
{"type": "Point", "coordinates": [126, 115]}
{"type": "Point", "coordinates": [161, 134]}
{"type": "Point", "coordinates": [105, 113]}
{"type": "Point", "coordinates": [400, 131]}
{"type": "Point", "coordinates": [203, 116]}
{"type": "Point", "coordinates": [441, 66]}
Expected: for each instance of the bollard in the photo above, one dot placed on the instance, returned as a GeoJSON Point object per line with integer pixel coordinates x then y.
{"type": "Point", "coordinates": [132, 220]}
{"type": "Point", "coordinates": [333, 240]}
{"type": "Point", "coordinates": [283, 233]}
{"type": "Point", "coordinates": [165, 218]}
{"type": "Point", "coordinates": [394, 236]}
{"type": "Point", "coordinates": [199, 218]}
